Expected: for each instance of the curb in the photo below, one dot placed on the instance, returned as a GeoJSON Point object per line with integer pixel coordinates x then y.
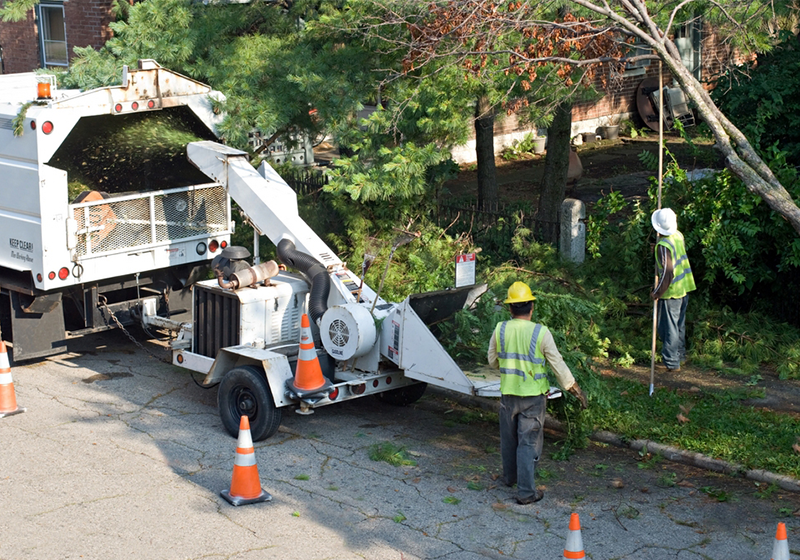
{"type": "Point", "coordinates": [668, 452]}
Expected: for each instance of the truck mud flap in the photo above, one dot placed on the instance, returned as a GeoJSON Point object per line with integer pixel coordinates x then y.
{"type": "Point", "coordinates": [37, 326]}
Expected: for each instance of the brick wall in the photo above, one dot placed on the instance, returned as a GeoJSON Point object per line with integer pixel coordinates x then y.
{"type": "Point", "coordinates": [20, 46]}
{"type": "Point", "coordinates": [86, 25]}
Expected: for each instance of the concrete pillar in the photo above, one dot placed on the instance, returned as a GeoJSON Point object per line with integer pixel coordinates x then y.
{"type": "Point", "coordinates": [572, 238]}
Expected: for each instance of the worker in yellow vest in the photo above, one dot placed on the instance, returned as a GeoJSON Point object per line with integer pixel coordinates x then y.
{"type": "Point", "coordinates": [675, 281]}
{"type": "Point", "coordinates": [520, 348]}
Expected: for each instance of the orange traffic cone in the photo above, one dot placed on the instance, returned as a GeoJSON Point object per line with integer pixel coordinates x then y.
{"type": "Point", "coordinates": [245, 484]}
{"type": "Point", "coordinates": [8, 399]}
{"type": "Point", "coordinates": [574, 546]}
{"type": "Point", "coordinates": [780, 550]}
{"type": "Point", "coordinates": [308, 378]}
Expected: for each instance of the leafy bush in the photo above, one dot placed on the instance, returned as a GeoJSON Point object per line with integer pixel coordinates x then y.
{"type": "Point", "coordinates": [519, 148]}
{"type": "Point", "coordinates": [764, 101]}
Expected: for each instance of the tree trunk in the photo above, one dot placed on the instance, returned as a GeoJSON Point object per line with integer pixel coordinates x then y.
{"type": "Point", "coordinates": [556, 165]}
{"type": "Point", "coordinates": [488, 192]}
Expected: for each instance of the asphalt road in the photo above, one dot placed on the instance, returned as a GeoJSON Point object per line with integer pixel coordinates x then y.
{"type": "Point", "coordinates": [120, 456]}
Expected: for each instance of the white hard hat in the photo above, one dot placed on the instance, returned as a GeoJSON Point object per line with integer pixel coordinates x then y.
{"type": "Point", "coordinates": [664, 221]}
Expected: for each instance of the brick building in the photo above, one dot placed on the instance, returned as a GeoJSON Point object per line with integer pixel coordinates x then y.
{"type": "Point", "coordinates": [701, 52]}
{"type": "Point", "coordinates": [47, 37]}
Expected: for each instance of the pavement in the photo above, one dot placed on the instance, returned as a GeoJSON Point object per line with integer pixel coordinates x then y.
{"type": "Point", "coordinates": [121, 456]}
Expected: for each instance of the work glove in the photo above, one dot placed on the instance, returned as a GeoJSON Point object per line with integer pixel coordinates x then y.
{"type": "Point", "coordinates": [576, 392]}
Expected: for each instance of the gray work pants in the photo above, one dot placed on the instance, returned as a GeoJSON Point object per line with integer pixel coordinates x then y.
{"type": "Point", "coordinates": [672, 330]}
{"type": "Point", "coordinates": [521, 440]}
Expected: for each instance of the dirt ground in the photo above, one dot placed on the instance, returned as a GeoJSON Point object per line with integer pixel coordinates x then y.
{"type": "Point", "coordinates": [607, 165]}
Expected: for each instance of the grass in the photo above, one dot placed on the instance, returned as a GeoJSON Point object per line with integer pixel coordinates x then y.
{"type": "Point", "coordinates": [719, 426]}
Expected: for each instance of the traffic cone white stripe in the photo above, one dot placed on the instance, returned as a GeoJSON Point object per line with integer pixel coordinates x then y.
{"type": "Point", "coordinates": [244, 459]}
{"type": "Point", "coordinates": [5, 379]}
{"type": "Point", "coordinates": [245, 440]}
{"type": "Point", "coordinates": [307, 353]}
{"type": "Point", "coordinates": [4, 365]}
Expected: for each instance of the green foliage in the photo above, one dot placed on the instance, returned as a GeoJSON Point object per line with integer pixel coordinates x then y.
{"type": "Point", "coordinates": [763, 101]}
{"type": "Point", "coordinates": [18, 123]}
{"type": "Point", "coordinates": [519, 148]}
{"type": "Point", "coordinates": [390, 453]}
{"type": "Point", "coordinates": [746, 340]}
{"type": "Point", "coordinates": [598, 224]}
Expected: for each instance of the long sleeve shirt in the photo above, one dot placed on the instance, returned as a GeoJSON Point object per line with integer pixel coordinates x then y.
{"type": "Point", "coordinates": [551, 354]}
{"type": "Point", "coordinates": [665, 280]}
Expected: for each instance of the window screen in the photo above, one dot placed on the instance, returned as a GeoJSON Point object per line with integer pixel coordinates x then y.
{"type": "Point", "coordinates": [52, 35]}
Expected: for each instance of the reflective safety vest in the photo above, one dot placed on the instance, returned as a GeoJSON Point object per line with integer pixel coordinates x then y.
{"type": "Point", "coordinates": [682, 280]}
{"type": "Point", "coordinates": [522, 363]}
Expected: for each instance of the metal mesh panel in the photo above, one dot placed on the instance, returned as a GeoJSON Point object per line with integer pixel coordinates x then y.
{"type": "Point", "coordinates": [191, 213]}
{"type": "Point", "coordinates": [111, 225]}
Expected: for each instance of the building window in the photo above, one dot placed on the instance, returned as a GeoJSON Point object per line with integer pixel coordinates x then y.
{"type": "Point", "coordinates": [52, 35]}
{"type": "Point", "coordinates": [688, 39]}
{"type": "Point", "coordinates": [637, 67]}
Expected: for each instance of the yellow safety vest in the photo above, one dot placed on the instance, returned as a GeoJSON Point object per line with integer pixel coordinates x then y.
{"type": "Point", "coordinates": [522, 363]}
{"type": "Point", "coordinates": [682, 280]}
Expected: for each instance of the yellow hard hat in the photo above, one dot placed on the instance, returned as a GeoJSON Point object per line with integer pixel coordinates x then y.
{"type": "Point", "coordinates": [519, 292]}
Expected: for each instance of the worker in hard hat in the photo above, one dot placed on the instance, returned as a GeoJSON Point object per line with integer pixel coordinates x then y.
{"type": "Point", "coordinates": [675, 281]}
{"type": "Point", "coordinates": [520, 348]}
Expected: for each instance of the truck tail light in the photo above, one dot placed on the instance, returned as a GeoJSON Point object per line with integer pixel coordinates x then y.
{"type": "Point", "coordinates": [134, 106]}
{"type": "Point", "coordinates": [223, 244]}
{"type": "Point", "coordinates": [63, 273]}
{"type": "Point", "coordinates": [47, 127]}
{"type": "Point", "coordinates": [334, 394]}
{"type": "Point", "coordinates": [151, 104]}
{"type": "Point", "coordinates": [201, 248]}
{"type": "Point", "coordinates": [39, 277]}
{"type": "Point", "coordinates": [213, 246]}
{"type": "Point", "coordinates": [51, 275]}
{"type": "Point", "coordinates": [118, 107]}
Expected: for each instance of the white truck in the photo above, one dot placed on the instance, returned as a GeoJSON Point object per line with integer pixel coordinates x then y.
{"type": "Point", "coordinates": [146, 223]}
{"type": "Point", "coordinates": [73, 265]}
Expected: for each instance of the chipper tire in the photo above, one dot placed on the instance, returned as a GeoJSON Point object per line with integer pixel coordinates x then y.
{"type": "Point", "coordinates": [404, 396]}
{"type": "Point", "coordinates": [244, 391]}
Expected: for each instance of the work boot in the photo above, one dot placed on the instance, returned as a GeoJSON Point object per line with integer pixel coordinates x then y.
{"type": "Point", "coordinates": [530, 499]}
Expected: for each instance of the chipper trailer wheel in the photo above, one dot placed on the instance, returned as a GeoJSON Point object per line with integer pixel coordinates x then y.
{"type": "Point", "coordinates": [244, 391]}
{"type": "Point", "coordinates": [404, 396]}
